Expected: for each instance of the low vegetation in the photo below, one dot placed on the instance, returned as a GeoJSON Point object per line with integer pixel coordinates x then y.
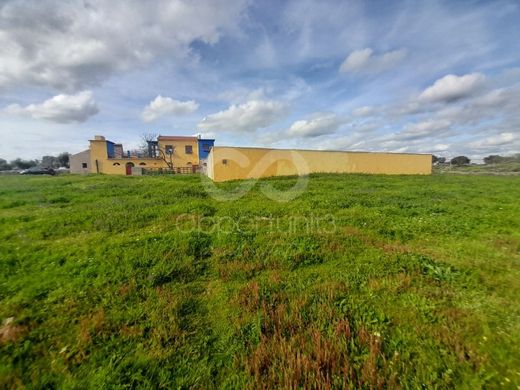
{"type": "Point", "coordinates": [61, 160]}
{"type": "Point", "coordinates": [362, 281]}
{"type": "Point", "coordinates": [508, 168]}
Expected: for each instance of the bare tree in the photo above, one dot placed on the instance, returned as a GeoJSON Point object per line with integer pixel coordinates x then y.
{"type": "Point", "coordinates": [165, 155]}
{"type": "Point", "coordinates": [145, 138]}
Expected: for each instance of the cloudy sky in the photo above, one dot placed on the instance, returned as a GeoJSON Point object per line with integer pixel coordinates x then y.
{"type": "Point", "coordinates": [403, 76]}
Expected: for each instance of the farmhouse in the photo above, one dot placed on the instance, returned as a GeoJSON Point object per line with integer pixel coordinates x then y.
{"type": "Point", "coordinates": [179, 154]}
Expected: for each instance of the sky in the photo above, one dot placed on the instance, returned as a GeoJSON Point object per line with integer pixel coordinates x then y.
{"type": "Point", "coordinates": [439, 77]}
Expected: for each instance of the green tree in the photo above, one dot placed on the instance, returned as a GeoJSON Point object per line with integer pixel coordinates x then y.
{"type": "Point", "coordinates": [460, 160]}
{"type": "Point", "coordinates": [23, 164]}
{"type": "Point", "coordinates": [4, 165]}
{"type": "Point", "coordinates": [63, 159]}
{"type": "Point", "coordinates": [493, 159]}
{"type": "Point", "coordinates": [49, 162]}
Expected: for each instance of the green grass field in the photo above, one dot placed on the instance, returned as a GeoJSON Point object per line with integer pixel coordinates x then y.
{"type": "Point", "coordinates": [362, 281]}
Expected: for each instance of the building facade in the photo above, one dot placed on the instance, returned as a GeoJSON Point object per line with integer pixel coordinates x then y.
{"type": "Point", "coordinates": [205, 146]}
{"type": "Point", "coordinates": [175, 153]}
{"type": "Point", "coordinates": [80, 162]}
{"type": "Point", "coordinates": [181, 154]}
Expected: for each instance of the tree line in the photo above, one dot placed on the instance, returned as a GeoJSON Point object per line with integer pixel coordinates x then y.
{"type": "Point", "coordinates": [496, 159]}
{"type": "Point", "coordinates": [463, 160]}
{"type": "Point", "coordinates": [61, 160]}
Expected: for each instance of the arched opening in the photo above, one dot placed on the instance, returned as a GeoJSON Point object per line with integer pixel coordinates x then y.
{"type": "Point", "coordinates": [129, 167]}
{"type": "Point", "coordinates": [142, 163]}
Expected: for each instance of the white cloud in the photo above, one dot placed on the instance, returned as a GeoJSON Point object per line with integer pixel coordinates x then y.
{"type": "Point", "coordinates": [365, 61]}
{"type": "Point", "coordinates": [496, 98]}
{"type": "Point", "coordinates": [494, 141]}
{"type": "Point", "coordinates": [60, 108]}
{"type": "Point", "coordinates": [363, 111]}
{"type": "Point", "coordinates": [356, 60]}
{"type": "Point", "coordinates": [498, 104]}
{"type": "Point", "coordinates": [69, 45]}
{"type": "Point", "coordinates": [435, 148]}
{"type": "Point", "coordinates": [245, 117]}
{"type": "Point", "coordinates": [428, 128]}
{"type": "Point", "coordinates": [451, 88]}
{"type": "Point", "coordinates": [162, 106]}
{"type": "Point", "coordinates": [352, 141]}
{"type": "Point", "coordinates": [240, 94]}
{"type": "Point", "coordinates": [320, 124]}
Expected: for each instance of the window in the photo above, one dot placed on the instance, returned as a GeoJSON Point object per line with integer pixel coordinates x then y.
{"type": "Point", "coordinates": [188, 149]}
{"type": "Point", "coordinates": [224, 162]}
{"type": "Point", "coordinates": [115, 164]}
{"type": "Point", "coordinates": [83, 165]}
{"type": "Point", "coordinates": [206, 147]}
{"type": "Point", "coordinates": [168, 149]}
{"type": "Point", "coordinates": [142, 163]}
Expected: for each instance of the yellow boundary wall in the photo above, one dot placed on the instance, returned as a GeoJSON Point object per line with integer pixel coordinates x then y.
{"type": "Point", "coordinates": [232, 163]}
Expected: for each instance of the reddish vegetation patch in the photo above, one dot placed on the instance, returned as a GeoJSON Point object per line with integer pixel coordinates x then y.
{"type": "Point", "coordinates": [249, 296]}
{"type": "Point", "coordinates": [131, 331]}
{"type": "Point", "coordinates": [508, 245]}
{"type": "Point", "coordinates": [291, 355]}
{"type": "Point", "coordinates": [91, 325]}
{"type": "Point", "coordinates": [126, 289]}
{"type": "Point", "coordinates": [10, 332]}
{"type": "Point", "coordinates": [237, 268]}
{"type": "Point", "coordinates": [373, 242]}
{"type": "Point", "coordinates": [393, 283]}
{"type": "Point", "coordinates": [296, 350]}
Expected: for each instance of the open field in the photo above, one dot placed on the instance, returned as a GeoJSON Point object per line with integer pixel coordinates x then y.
{"type": "Point", "coordinates": [371, 281]}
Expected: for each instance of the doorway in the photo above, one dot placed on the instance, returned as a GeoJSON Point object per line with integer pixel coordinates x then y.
{"type": "Point", "coordinates": [129, 167]}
